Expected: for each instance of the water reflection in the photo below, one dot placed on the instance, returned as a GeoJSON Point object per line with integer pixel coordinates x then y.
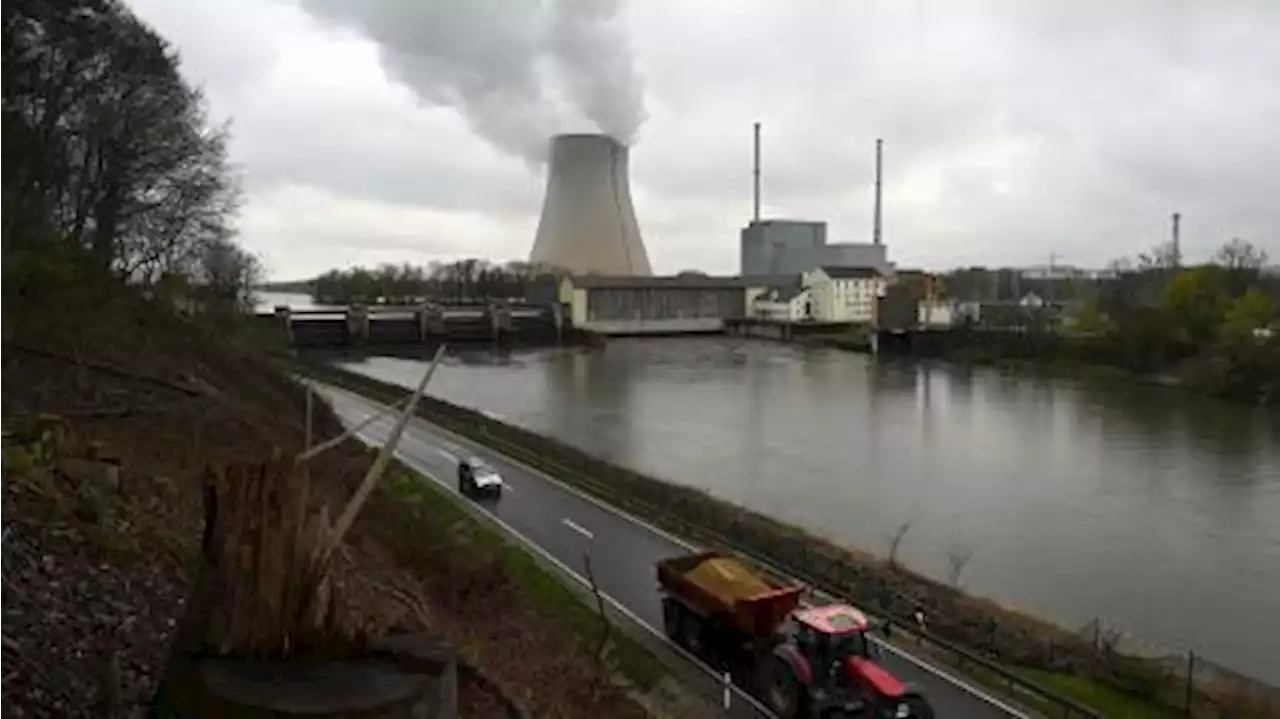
{"type": "Point", "coordinates": [592, 408]}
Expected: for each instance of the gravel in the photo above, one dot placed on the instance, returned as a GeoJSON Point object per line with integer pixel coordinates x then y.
{"type": "Point", "coordinates": [81, 638]}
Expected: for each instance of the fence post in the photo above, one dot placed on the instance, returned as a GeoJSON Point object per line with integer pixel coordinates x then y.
{"type": "Point", "coordinates": [1191, 684]}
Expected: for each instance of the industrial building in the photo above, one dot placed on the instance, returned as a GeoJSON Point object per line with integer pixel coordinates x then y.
{"type": "Point", "coordinates": [689, 303]}
{"type": "Point", "coordinates": [774, 247]}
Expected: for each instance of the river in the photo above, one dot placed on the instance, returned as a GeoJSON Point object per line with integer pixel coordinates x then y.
{"type": "Point", "coordinates": [1154, 510]}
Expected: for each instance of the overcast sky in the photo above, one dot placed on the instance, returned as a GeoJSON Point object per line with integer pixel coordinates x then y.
{"type": "Point", "coordinates": [1012, 129]}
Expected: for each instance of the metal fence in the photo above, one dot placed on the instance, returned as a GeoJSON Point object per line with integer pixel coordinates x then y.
{"type": "Point", "coordinates": [1192, 684]}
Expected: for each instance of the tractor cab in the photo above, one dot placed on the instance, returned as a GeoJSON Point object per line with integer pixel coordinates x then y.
{"type": "Point", "coordinates": [833, 640]}
{"type": "Point", "coordinates": [829, 635]}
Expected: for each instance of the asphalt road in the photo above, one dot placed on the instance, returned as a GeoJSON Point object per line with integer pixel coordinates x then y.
{"type": "Point", "coordinates": [567, 524]}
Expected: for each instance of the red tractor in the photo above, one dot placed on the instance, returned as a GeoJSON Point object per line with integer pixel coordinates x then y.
{"type": "Point", "coordinates": [800, 661]}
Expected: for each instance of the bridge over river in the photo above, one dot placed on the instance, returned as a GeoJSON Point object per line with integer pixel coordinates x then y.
{"type": "Point", "coordinates": [1152, 509]}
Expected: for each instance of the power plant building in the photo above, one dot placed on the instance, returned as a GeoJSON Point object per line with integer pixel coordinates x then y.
{"type": "Point", "coordinates": [791, 247]}
{"type": "Point", "coordinates": [588, 225]}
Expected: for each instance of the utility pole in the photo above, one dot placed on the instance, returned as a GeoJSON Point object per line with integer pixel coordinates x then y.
{"type": "Point", "coordinates": [755, 212]}
{"type": "Point", "coordinates": [1177, 239]}
{"type": "Point", "coordinates": [877, 229]}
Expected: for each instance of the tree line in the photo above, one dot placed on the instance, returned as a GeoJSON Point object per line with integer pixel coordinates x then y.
{"type": "Point", "coordinates": [1211, 325]}
{"type": "Point", "coordinates": [459, 281]}
{"type": "Point", "coordinates": [113, 169]}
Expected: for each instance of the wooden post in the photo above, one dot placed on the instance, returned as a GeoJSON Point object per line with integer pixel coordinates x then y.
{"type": "Point", "coordinates": [1191, 680]}
{"type": "Point", "coordinates": [349, 513]}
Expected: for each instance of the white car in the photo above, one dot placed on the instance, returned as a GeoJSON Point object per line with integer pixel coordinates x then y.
{"type": "Point", "coordinates": [478, 479]}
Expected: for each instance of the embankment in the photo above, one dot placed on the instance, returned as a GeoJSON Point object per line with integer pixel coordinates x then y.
{"type": "Point", "coordinates": [1248, 373]}
{"type": "Point", "coordinates": [113, 413]}
{"type": "Point", "coordinates": [1013, 640]}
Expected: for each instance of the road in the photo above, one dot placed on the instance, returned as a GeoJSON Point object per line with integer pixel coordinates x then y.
{"type": "Point", "coordinates": [565, 523]}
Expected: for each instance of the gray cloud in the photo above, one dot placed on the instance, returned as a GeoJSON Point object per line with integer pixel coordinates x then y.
{"type": "Point", "coordinates": [1012, 129]}
{"type": "Point", "coordinates": [519, 70]}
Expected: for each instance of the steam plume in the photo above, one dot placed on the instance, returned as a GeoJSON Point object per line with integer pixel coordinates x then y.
{"type": "Point", "coordinates": [518, 70]}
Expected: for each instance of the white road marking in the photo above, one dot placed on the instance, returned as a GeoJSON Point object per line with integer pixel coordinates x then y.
{"type": "Point", "coordinates": [941, 674]}
{"type": "Point", "coordinates": [443, 453]}
{"type": "Point", "coordinates": [946, 676]}
{"type": "Point", "coordinates": [578, 528]}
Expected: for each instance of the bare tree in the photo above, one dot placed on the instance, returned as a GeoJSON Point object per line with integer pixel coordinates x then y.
{"type": "Point", "coordinates": [958, 557]}
{"type": "Point", "coordinates": [606, 627]}
{"type": "Point", "coordinates": [1239, 254]}
{"type": "Point", "coordinates": [106, 148]}
{"type": "Point", "coordinates": [1163, 256]}
{"type": "Point", "coordinates": [895, 540]}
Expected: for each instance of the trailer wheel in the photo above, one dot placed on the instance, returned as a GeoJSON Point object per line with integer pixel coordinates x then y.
{"type": "Point", "coordinates": [691, 633]}
{"type": "Point", "coordinates": [672, 613]}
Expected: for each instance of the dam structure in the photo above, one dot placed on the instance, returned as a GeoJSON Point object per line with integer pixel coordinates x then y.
{"type": "Point", "coordinates": [588, 224]}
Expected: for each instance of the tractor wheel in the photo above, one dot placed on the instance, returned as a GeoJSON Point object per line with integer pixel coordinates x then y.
{"type": "Point", "coordinates": [920, 707]}
{"type": "Point", "coordinates": [782, 689]}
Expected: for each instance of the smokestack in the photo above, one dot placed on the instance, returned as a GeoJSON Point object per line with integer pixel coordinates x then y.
{"type": "Point", "coordinates": [755, 213]}
{"type": "Point", "coordinates": [876, 229]}
{"type": "Point", "coordinates": [1177, 239]}
{"type": "Point", "coordinates": [588, 224]}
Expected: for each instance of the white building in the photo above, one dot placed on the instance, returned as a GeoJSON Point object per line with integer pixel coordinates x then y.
{"type": "Point", "coordinates": [844, 294]}
{"type": "Point", "coordinates": [783, 304]}
{"type": "Point", "coordinates": [937, 313]}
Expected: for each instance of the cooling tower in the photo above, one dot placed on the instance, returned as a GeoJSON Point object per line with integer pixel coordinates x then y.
{"type": "Point", "coordinates": [588, 225]}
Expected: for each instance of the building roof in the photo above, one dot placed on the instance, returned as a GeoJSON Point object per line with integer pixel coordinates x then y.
{"type": "Point", "coordinates": [778, 280]}
{"type": "Point", "coordinates": [691, 282]}
{"type": "Point", "coordinates": [849, 273]}
{"type": "Point", "coordinates": [785, 293]}
{"type": "Point", "coordinates": [786, 221]}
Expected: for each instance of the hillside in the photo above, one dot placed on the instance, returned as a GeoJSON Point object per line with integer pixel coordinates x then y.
{"type": "Point", "coordinates": [114, 407]}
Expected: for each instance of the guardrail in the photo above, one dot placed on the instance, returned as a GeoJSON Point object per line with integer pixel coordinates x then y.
{"type": "Point", "coordinates": [1045, 699]}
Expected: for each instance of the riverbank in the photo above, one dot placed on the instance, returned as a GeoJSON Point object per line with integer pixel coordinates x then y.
{"type": "Point", "coordinates": [1014, 639]}
{"type": "Point", "coordinates": [113, 411]}
{"type": "Point", "coordinates": [1245, 373]}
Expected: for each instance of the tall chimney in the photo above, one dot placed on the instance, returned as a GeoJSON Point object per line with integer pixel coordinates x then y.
{"type": "Point", "coordinates": [1177, 239]}
{"type": "Point", "coordinates": [755, 211]}
{"type": "Point", "coordinates": [588, 224]}
{"type": "Point", "coordinates": [876, 227]}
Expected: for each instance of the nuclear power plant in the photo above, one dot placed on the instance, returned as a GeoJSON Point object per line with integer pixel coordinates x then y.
{"type": "Point", "coordinates": [789, 273]}
{"type": "Point", "coordinates": [588, 225]}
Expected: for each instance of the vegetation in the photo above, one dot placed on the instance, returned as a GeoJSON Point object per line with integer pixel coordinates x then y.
{"type": "Point", "coordinates": [1092, 666]}
{"type": "Point", "coordinates": [113, 170]}
{"type": "Point", "coordinates": [1208, 327]}
{"type": "Point", "coordinates": [464, 280]}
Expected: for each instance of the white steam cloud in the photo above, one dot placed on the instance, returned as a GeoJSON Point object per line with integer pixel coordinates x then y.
{"type": "Point", "coordinates": [518, 70]}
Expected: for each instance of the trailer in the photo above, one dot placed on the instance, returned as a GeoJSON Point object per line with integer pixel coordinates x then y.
{"type": "Point", "coordinates": [800, 660]}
